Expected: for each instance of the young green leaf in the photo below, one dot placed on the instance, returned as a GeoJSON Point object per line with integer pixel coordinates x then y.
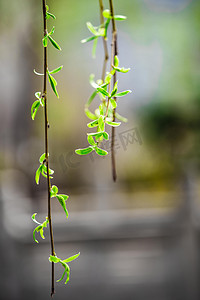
{"type": "Point", "coordinates": [108, 78]}
{"type": "Point", "coordinates": [106, 136]}
{"type": "Point", "coordinates": [45, 41]}
{"type": "Point", "coordinates": [34, 108]}
{"type": "Point", "coordinates": [91, 140]}
{"type": "Point", "coordinates": [92, 82]}
{"type": "Point", "coordinates": [116, 61]}
{"type": "Point", "coordinates": [53, 83]}
{"type": "Point", "coordinates": [101, 123]}
{"type": "Point", "coordinates": [106, 13]}
{"type": "Point", "coordinates": [93, 124]}
{"type": "Point", "coordinates": [100, 151]}
{"type": "Point", "coordinates": [119, 117]}
{"type": "Point", "coordinates": [120, 18]}
{"type": "Point", "coordinates": [106, 27]}
{"type": "Point", "coordinates": [123, 93]}
{"type": "Point", "coordinates": [37, 174]}
{"type": "Point", "coordinates": [39, 74]}
{"type": "Point", "coordinates": [63, 204]}
{"type": "Point", "coordinates": [122, 70]}
{"type": "Point", "coordinates": [66, 271]}
{"type": "Point", "coordinates": [38, 95]}
{"type": "Point", "coordinates": [50, 15]}
{"type": "Point", "coordinates": [114, 124]}
{"type": "Point", "coordinates": [89, 39]}
{"type": "Point", "coordinates": [34, 219]}
{"type": "Point", "coordinates": [54, 259]}
{"type": "Point", "coordinates": [54, 43]}
{"type": "Point", "coordinates": [42, 158]}
{"type": "Point", "coordinates": [56, 70]}
{"type": "Point", "coordinates": [91, 99]}
{"type": "Point", "coordinates": [103, 91]}
{"type": "Point", "coordinates": [113, 103]}
{"type": "Point", "coordinates": [71, 258]}
{"type": "Point", "coordinates": [89, 114]}
{"type": "Point", "coordinates": [91, 28]}
{"type": "Point", "coordinates": [52, 30]}
{"type": "Point", "coordinates": [114, 91]}
{"type": "Point", "coordinates": [65, 197]}
{"type": "Point", "coordinates": [54, 191]}
{"type": "Point", "coordinates": [84, 151]}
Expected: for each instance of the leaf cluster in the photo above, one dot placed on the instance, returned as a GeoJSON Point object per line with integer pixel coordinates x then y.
{"type": "Point", "coordinates": [39, 228]}
{"type": "Point", "coordinates": [55, 259]}
{"type": "Point", "coordinates": [103, 115]}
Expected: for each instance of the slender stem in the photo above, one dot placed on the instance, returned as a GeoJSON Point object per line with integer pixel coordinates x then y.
{"type": "Point", "coordinates": [46, 147]}
{"type": "Point", "coordinates": [114, 52]}
{"type": "Point", "coordinates": [106, 57]}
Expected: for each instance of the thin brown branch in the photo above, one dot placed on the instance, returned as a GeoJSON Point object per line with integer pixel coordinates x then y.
{"type": "Point", "coordinates": [106, 56]}
{"type": "Point", "coordinates": [114, 52]}
{"type": "Point", "coordinates": [46, 147]}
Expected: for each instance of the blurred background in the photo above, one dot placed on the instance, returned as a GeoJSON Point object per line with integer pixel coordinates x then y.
{"type": "Point", "coordinates": [139, 238]}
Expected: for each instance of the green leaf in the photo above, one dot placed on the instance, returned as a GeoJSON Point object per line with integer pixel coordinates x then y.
{"type": "Point", "coordinates": [114, 124]}
{"type": "Point", "coordinates": [45, 41]}
{"type": "Point", "coordinates": [93, 124]}
{"type": "Point", "coordinates": [42, 158]}
{"type": "Point", "coordinates": [71, 258]}
{"type": "Point", "coordinates": [108, 78]}
{"type": "Point", "coordinates": [94, 48]}
{"type": "Point", "coordinates": [89, 114]}
{"type": "Point", "coordinates": [63, 204]}
{"type": "Point", "coordinates": [67, 270]}
{"type": "Point", "coordinates": [54, 191]}
{"type": "Point", "coordinates": [116, 61]}
{"type": "Point", "coordinates": [101, 123]}
{"type": "Point", "coordinates": [34, 219]}
{"type": "Point", "coordinates": [122, 70]}
{"type": "Point", "coordinates": [106, 27]}
{"type": "Point", "coordinates": [92, 29]}
{"type": "Point", "coordinates": [120, 18]}
{"type": "Point", "coordinates": [56, 70]}
{"type": "Point", "coordinates": [105, 135]}
{"type": "Point", "coordinates": [54, 43]}
{"type": "Point", "coordinates": [40, 229]}
{"type": "Point", "coordinates": [92, 82]}
{"type": "Point", "coordinates": [50, 15]}
{"type": "Point", "coordinates": [39, 74]}
{"type": "Point", "coordinates": [53, 83]}
{"type": "Point", "coordinates": [37, 174]}
{"type": "Point", "coordinates": [100, 151]}
{"type": "Point", "coordinates": [52, 30]}
{"type": "Point", "coordinates": [65, 197]}
{"type": "Point", "coordinates": [34, 231]}
{"type": "Point", "coordinates": [47, 7]}
{"type": "Point", "coordinates": [119, 117]}
{"type": "Point", "coordinates": [91, 140]}
{"type": "Point", "coordinates": [103, 92]}
{"type": "Point", "coordinates": [91, 99]}
{"type": "Point", "coordinates": [123, 93]}
{"type": "Point", "coordinates": [84, 151]}
{"type": "Point", "coordinates": [106, 13]}
{"type": "Point", "coordinates": [34, 108]}
{"type": "Point", "coordinates": [89, 39]}
{"type": "Point", "coordinates": [38, 95]}
{"type": "Point", "coordinates": [113, 103]}
{"type": "Point", "coordinates": [114, 91]}
{"type": "Point", "coordinates": [54, 259]}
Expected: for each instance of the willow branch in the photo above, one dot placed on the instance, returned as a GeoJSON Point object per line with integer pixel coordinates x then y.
{"type": "Point", "coordinates": [106, 56]}
{"type": "Point", "coordinates": [46, 147]}
{"type": "Point", "coordinates": [114, 52]}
